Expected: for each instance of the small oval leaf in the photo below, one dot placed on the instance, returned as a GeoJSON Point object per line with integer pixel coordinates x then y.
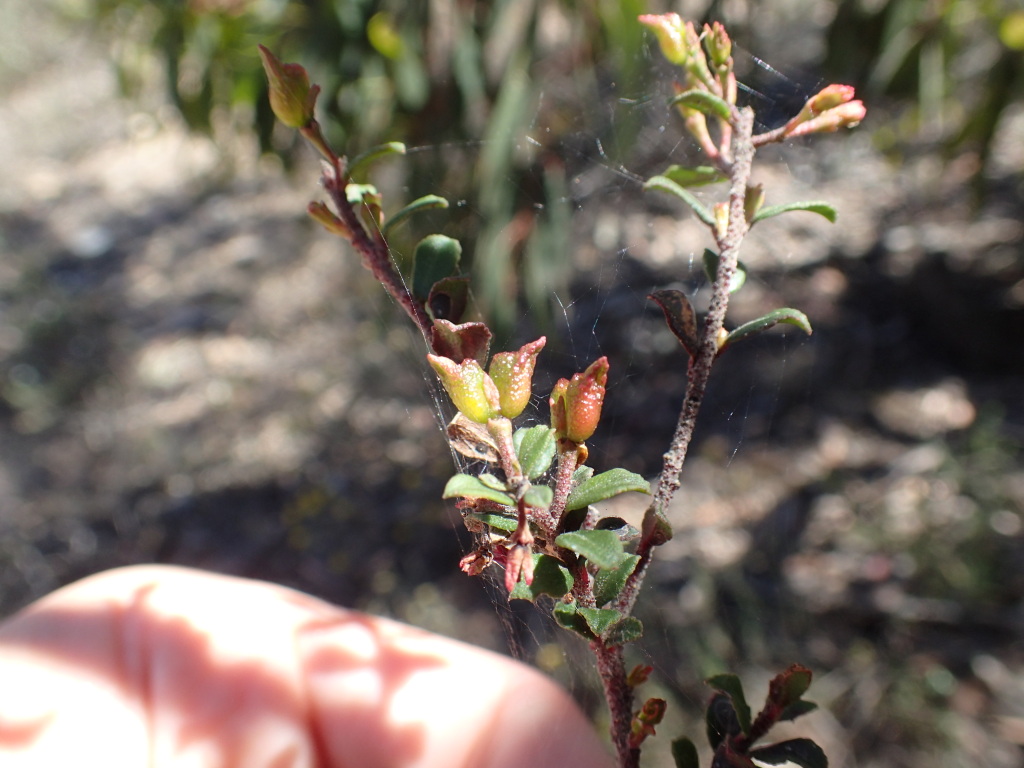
{"type": "Point", "coordinates": [436, 257]}
{"type": "Point", "coordinates": [535, 447]}
{"type": "Point", "coordinates": [425, 203]}
{"type": "Point", "coordinates": [731, 686]}
{"type": "Point", "coordinates": [602, 548]}
{"type": "Point", "coordinates": [609, 581]}
{"type": "Point", "coordinates": [694, 177]}
{"type": "Point", "coordinates": [679, 315]}
{"type": "Point", "coordinates": [497, 522]}
{"type": "Point", "coordinates": [665, 184]}
{"type": "Point", "coordinates": [705, 102]}
{"type": "Point", "coordinates": [539, 496]}
{"type": "Point", "coordinates": [472, 487]}
{"type": "Point", "coordinates": [628, 630]}
{"type": "Point", "coordinates": [363, 160]}
{"type": "Point", "coordinates": [785, 315]}
{"type": "Point", "coordinates": [819, 207]}
{"type": "Point", "coordinates": [566, 615]}
{"type": "Point", "coordinates": [684, 753]}
{"type": "Point", "coordinates": [604, 486]}
{"type": "Point", "coordinates": [550, 577]}
{"type": "Point", "coordinates": [599, 619]}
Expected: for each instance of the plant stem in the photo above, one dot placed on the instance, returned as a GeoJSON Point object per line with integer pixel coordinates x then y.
{"type": "Point", "coordinates": [375, 254]}
{"type": "Point", "coordinates": [612, 667]}
{"type": "Point", "coordinates": [700, 367]}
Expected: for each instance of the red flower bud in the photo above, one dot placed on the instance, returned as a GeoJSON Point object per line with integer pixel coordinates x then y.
{"type": "Point", "coordinates": [512, 373]}
{"type": "Point", "coordinates": [576, 403]}
{"type": "Point", "coordinates": [292, 98]}
{"type": "Point", "coordinates": [470, 389]}
{"type": "Point", "coordinates": [844, 116]}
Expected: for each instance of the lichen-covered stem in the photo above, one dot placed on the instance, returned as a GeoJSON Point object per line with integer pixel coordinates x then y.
{"type": "Point", "coordinates": [612, 667]}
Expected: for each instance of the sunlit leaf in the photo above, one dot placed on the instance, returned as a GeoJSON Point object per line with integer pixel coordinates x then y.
{"type": "Point", "coordinates": [602, 548]}
{"type": "Point", "coordinates": [472, 487]}
{"type": "Point", "coordinates": [497, 522]}
{"type": "Point", "coordinates": [812, 206]}
{"type": "Point", "coordinates": [362, 161]}
{"type": "Point", "coordinates": [665, 184]}
{"type": "Point", "coordinates": [763, 323]}
{"type": "Point", "coordinates": [705, 102]}
{"type": "Point", "coordinates": [693, 177]}
{"type": "Point", "coordinates": [425, 203]}
{"type": "Point", "coordinates": [605, 486]}
{"type": "Point", "coordinates": [539, 496]}
{"type": "Point", "coordinates": [599, 619]}
{"type": "Point", "coordinates": [629, 630]}
{"type": "Point", "coordinates": [535, 447]}
{"type": "Point", "coordinates": [567, 616]}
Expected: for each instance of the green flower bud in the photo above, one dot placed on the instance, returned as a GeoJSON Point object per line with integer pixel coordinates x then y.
{"type": "Point", "coordinates": [470, 389]}
{"type": "Point", "coordinates": [670, 31]}
{"type": "Point", "coordinates": [292, 98]}
{"type": "Point", "coordinates": [512, 373]}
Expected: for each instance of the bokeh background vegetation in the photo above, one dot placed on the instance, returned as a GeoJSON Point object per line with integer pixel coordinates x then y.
{"type": "Point", "coordinates": [190, 372]}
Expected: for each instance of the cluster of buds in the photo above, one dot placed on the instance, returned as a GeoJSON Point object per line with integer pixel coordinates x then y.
{"type": "Point", "coordinates": [831, 108]}
{"type": "Point", "coordinates": [503, 390]}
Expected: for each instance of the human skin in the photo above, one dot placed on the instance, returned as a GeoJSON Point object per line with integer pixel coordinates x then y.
{"type": "Point", "coordinates": [162, 666]}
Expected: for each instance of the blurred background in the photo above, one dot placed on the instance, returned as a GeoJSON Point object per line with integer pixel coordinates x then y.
{"type": "Point", "coordinates": [191, 372]}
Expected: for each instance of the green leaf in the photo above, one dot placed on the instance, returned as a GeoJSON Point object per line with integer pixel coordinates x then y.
{"type": "Point", "coordinates": [731, 686]}
{"type": "Point", "coordinates": [684, 752]}
{"type": "Point", "coordinates": [539, 496]}
{"type": "Point", "coordinates": [435, 258]}
{"type": "Point", "coordinates": [797, 709]}
{"type": "Point", "coordinates": [609, 581]}
{"type": "Point", "coordinates": [628, 630]}
{"type": "Point", "coordinates": [604, 486]}
{"type": "Point", "coordinates": [363, 160]}
{"type": "Point", "coordinates": [705, 102]}
{"type": "Point", "coordinates": [665, 184]}
{"type": "Point", "coordinates": [599, 619]}
{"type": "Point", "coordinates": [495, 483]}
{"type": "Point", "coordinates": [582, 474]}
{"type": "Point", "coordinates": [497, 522]}
{"type": "Point", "coordinates": [763, 323]}
{"type": "Point", "coordinates": [720, 719]}
{"type": "Point", "coordinates": [550, 577]}
{"type": "Point", "coordinates": [535, 447]}
{"type": "Point", "coordinates": [812, 206]}
{"type": "Point", "coordinates": [602, 548]}
{"type": "Point", "coordinates": [567, 616]}
{"type": "Point", "coordinates": [803, 752]}
{"type": "Point", "coordinates": [472, 487]}
{"type": "Point", "coordinates": [357, 194]}
{"type": "Point", "coordinates": [739, 275]}
{"type": "Point", "coordinates": [679, 315]}
{"type": "Point", "coordinates": [425, 203]}
{"type": "Point", "coordinates": [694, 177]}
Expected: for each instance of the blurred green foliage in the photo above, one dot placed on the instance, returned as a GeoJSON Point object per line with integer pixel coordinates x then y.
{"type": "Point", "coordinates": [952, 66]}
{"type": "Point", "coordinates": [462, 82]}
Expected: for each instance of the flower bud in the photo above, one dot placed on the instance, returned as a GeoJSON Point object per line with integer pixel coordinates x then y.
{"type": "Point", "coordinates": [827, 99]}
{"type": "Point", "coordinates": [752, 201]}
{"type": "Point", "coordinates": [576, 403]}
{"type": "Point", "coordinates": [512, 373]}
{"type": "Point", "coordinates": [671, 32]}
{"type": "Point", "coordinates": [324, 216]}
{"type": "Point", "coordinates": [292, 98]}
{"type": "Point", "coordinates": [470, 389]}
{"type": "Point", "coordinates": [843, 116]}
{"type": "Point", "coordinates": [719, 45]}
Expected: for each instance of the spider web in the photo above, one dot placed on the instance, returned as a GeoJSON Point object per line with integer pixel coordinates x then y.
{"type": "Point", "coordinates": [623, 256]}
